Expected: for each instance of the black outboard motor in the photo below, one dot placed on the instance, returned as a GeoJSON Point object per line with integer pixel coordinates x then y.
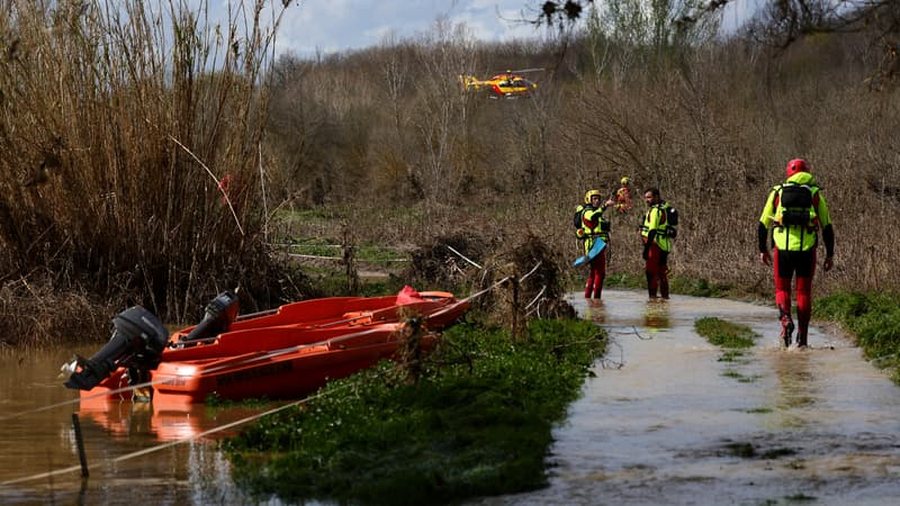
{"type": "Point", "coordinates": [220, 313]}
{"type": "Point", "coordinates": [137, 341]}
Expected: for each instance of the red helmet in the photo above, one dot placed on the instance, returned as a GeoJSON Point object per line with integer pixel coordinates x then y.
{"type": "Point", "coordinates": [796, 165]}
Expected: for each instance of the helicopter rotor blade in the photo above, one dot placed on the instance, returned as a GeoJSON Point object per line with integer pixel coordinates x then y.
{"type": "Point", "coordinates": [522, 71]}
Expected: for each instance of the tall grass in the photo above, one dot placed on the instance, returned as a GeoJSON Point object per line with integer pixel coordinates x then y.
{"type": "Point", "coordinates": [119, 121]}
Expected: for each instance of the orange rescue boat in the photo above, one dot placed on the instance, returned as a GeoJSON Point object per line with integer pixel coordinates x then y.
{"type": "Point", "coordinates": [302, 345]}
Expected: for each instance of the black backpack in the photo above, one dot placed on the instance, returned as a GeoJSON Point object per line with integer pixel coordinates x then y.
{"type": "Point", "coordinates": [796, 201]}
{"type": "Point", "coordinates": [671, 221]}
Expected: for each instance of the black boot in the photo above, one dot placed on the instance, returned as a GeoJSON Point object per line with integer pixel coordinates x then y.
{"type": "Point", "coordinates": [787, 328]}
{"type": "Point", "coordinates": [801, 338]}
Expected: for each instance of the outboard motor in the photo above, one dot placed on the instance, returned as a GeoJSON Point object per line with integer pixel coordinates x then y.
{"type": "Point", "coordinates": [137, 341]}
{"type": "Point", "coordinates": [220, 314]}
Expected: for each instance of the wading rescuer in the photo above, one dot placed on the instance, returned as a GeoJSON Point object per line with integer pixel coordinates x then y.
{"type": "Point", "coordinates": [657, 233]}
{"type": "Point", "coordinates": [594, 226]}
{"type": "Point", "coordinates": [795, 211]}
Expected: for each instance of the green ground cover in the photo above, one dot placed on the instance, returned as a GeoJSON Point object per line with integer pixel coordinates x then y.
{"type": "Point", "coordinates": [478, 422]}
{"type": "Point", "coordinates": [873, 318]}
{"type": "Point", "coordinates": [725, 334]}
{"type": "Point", "coordinates": [734, 339]}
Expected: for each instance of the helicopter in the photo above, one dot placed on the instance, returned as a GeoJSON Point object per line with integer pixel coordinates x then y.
{"type": "Point", "coordinates": [509, 84]}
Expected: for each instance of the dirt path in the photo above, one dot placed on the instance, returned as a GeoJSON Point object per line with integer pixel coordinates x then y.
{"type": "Point", "coordinates": [666, 421]}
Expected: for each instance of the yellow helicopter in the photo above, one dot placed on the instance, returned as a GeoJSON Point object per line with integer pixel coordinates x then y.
{"type": "Point", "coordinates": [509, 84]}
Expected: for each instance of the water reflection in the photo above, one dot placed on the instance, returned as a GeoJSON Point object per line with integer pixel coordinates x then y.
{"type": "Point", "coordinates": [118, 419]}
{"type": "Point", "coordinates": [595, 311]}
{"type": "Point", "coordinates": [796, 387]}
{"type": "Point", "coordinates": [126, 419]}
{"type": "Point", "coordinates": [656, 315]}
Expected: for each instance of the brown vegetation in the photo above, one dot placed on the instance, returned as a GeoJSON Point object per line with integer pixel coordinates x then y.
{"type": "Point", "coordinates": [124, 128]}
{"type": "Point", "coordinates": [711, 124]}
{"type": "Point", "coordinates": [38, 315]}
{"type": "Point", "coordinates": [113, 151]}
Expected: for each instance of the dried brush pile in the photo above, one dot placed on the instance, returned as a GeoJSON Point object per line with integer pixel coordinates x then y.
{"type": "Point", "coordinates": [535, 288]}
{"type": "Point", "coordinates": [520, 277]}
{"type": "Point", "coordinates": [440, 264]}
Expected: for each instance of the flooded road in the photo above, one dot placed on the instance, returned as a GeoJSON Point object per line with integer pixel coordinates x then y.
{"type": "Point", "coordinates": [668, 421]}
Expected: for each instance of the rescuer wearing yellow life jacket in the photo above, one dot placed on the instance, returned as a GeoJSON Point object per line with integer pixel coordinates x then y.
{"type": "Point", "coordinates": [795, 211]}
{"type": "Point", "coordinates": [658, 234]}
{"type": "Point", "coordinates": [623, 195]}
{"type": "Point", "coordinates": [594, 226]}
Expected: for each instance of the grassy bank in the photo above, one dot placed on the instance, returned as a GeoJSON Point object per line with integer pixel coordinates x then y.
{"type": "Point", "coordinates": [873, 318]}
{"type": "Point", "coordinates": [477, 423]}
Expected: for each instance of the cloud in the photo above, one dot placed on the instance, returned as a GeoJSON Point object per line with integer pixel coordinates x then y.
{"type": "Point", "coordinates": [340, 25]}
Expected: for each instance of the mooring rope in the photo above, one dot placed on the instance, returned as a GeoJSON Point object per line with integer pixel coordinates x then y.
{"type": "Point", "coordinates": [169, 444]}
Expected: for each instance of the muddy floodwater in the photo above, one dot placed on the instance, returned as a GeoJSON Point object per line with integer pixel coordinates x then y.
{"type": "Point", "coordinates": [668, 419]}
{"type": "Point", "coordinates": [134, 455]}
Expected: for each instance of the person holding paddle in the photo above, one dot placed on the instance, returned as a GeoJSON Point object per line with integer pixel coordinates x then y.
{"type": "Point", "coordinates": [594, 231]}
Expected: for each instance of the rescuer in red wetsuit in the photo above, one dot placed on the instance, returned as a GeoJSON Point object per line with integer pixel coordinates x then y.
{"type": "Point", "coordinates": [658, 236]}
{"type": "Point", "coordinates": [795, 211]}
{"type": "Point", "coordinates": [594, 226]}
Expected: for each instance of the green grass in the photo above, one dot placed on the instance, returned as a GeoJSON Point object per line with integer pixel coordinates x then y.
{"type": "Point", "coordinates": [725, 334]}
{"type": "Point", "coordinates": [623, 280]}
{"type": "Point", "coordinates": [732, 355]}
{"type": "Point", "coordinates": [478, 423]}
{"type": "Point", "coordinates": [874, 318]}
{"type": "Point", "coordinates": [328, 248]}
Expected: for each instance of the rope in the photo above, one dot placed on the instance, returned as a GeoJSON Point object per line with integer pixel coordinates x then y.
{"type": "Point", "coordinates": [169, 444]}
{"type": "Point", "coordinates": [608, 363]}
{"type": "Point", "coordinates": [533, 269]}
{"type": "Point", "coordinates": [213, 176]}
{"type": "Point", "coordinates": [463, 256]}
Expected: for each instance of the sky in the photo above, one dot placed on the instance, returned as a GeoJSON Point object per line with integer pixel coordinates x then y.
{"type": "Point", "coordinates": [329, 26]}
{"type": "Point", "coordinates": [311, 27]}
